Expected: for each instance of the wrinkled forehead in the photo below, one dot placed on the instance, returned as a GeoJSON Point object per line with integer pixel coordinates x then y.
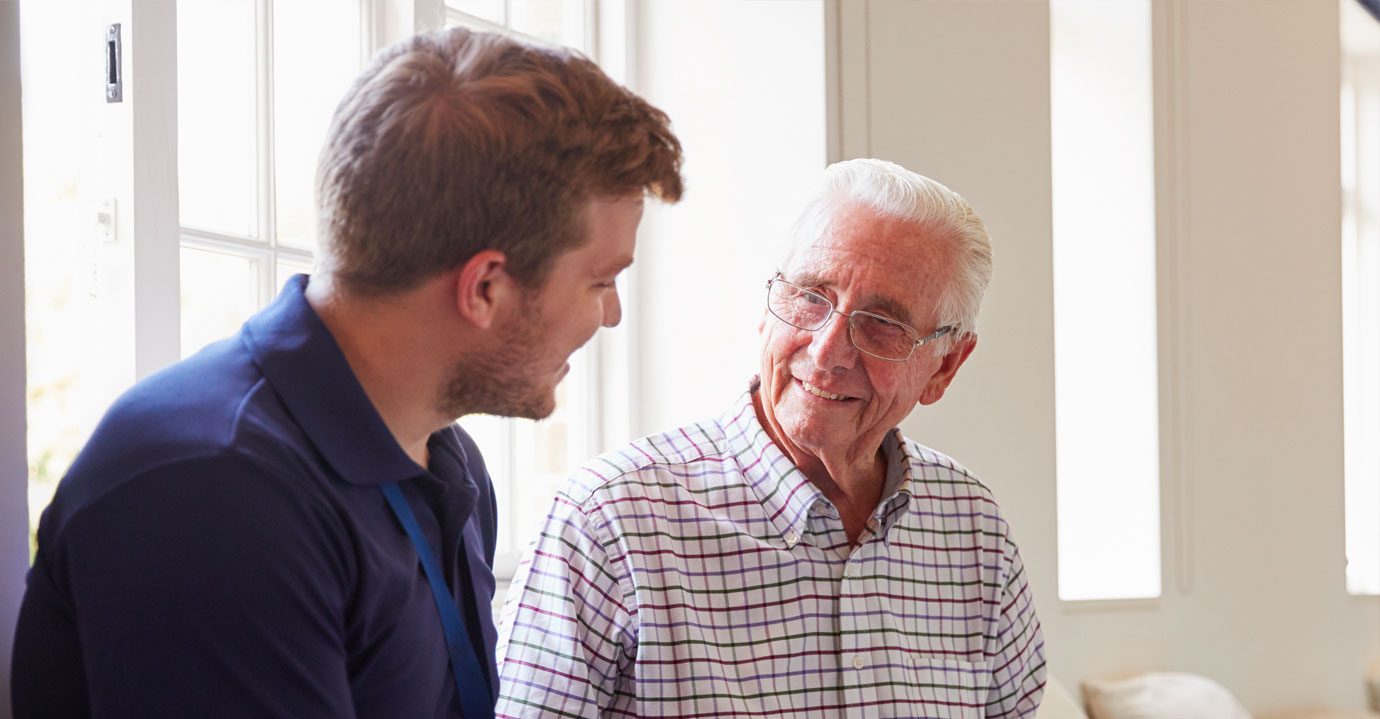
{"type": "Point", "coordinates": [885, 262]}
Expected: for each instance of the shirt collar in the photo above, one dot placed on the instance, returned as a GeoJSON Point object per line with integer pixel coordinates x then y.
{"type": "Point", "coordinates": [306, 368]}
{"type": "Point", "coordinates": [896, 494]}
{"type": "Point", "coordinates": [784, 491]}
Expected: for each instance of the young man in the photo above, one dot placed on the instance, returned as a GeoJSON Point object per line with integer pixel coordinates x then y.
{"type": "Point", "coordinates": [242, 534]}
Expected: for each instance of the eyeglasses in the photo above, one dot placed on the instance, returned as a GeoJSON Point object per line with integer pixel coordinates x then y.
{"type": "Point", "coordinates": [872, 334]}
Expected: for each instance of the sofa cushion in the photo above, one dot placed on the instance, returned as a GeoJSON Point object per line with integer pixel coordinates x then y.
{"type": "Point", "coordinates": [1161, 695]}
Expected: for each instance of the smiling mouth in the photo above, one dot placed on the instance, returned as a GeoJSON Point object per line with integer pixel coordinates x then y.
{"type": "Point", "coordinates": [821, 393]}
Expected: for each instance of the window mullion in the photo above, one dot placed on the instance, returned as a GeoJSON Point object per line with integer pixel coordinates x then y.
{"type": "Point", "coordinates": [267, 190]}
{"type": "Point", "coordinates": [590, 10]}
{"type": "Point", "coordinates": [225, 244]}
{"type": "Point", "coordinates": [193, 237]}
{"type": "Point", "coordinates": [369, 30]}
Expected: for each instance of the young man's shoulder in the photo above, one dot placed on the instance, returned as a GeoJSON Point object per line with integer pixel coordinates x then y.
{"type": "Point", "coordinates": [212, 413]}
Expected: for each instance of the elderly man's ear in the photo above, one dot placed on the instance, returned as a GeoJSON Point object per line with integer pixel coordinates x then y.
{"type": "Point", "coordinates": [948, 367]}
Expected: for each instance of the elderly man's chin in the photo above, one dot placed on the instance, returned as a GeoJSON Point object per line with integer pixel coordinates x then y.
{"type": "Point", "coordinates": [814, 423]}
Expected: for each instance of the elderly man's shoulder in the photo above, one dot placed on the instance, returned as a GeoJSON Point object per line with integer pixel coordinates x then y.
{"type": "Point", "coordinates": [666, 465]}
{"type": "Point", "coordinates": [938, 476]}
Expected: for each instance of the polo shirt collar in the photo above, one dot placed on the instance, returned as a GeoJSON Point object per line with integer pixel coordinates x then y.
{"type": "Point", "coordinates": [306, 368]}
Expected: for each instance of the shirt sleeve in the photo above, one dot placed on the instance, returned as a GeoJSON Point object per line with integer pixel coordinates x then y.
{"type": "Point", "coordinates": [565, 635]}
{"type": "Point", "coordinates": [206, 588]}
{"type": "Point", "coordinates": [1017, 651]}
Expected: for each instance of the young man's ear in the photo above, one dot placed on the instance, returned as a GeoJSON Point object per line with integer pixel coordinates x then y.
{"type": "Point", "coordinates": [482, 286]}
{"type": "Point", "coordinates": [948, 367]}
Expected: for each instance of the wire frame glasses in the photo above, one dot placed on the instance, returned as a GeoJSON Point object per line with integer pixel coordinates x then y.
{"type": "Point", "coordinates": [872, 334]}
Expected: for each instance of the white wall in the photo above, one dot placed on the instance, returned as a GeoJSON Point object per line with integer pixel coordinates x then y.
{"type": "Point", "coordinates": [743, 84]}
{"type": "Point", "coordinates": [14, 473]}
{"type": "Point", "coordinates": [1254, 593]}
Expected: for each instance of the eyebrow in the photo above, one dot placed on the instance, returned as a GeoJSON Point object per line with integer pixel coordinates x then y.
{"type": "Point", "coordinates": [614, 267]}
{"type": "Point", "coordinates": [879, 304]}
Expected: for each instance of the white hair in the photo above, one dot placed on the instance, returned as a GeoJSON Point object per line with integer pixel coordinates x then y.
{"type": "Point", "coordinates": [895, 192]}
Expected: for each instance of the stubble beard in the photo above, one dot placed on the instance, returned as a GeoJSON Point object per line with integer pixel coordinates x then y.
{"type": "Point", "coordinates": [503, 382]}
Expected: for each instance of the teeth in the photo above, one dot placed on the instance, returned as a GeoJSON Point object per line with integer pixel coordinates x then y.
{"type": "Point", "coordinates": [819, 392]}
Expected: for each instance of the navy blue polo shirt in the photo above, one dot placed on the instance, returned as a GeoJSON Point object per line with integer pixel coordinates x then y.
{"type": "Point", "coordinates": [221, 547]}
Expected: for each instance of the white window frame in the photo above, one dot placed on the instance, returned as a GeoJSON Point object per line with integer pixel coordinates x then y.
{"type": "Point", "coordinates": [136, 269]}
{"type": "Point", "coordinates": [1360, 97]}
{"type": "Point", "coordinates": [1091, 502]}
{"type": "Point", "coordinates": [148, 212]}
{"type": "Point", "coordinates": [14, 474]}
{"type": "Point", "coordinates": [265, 250]}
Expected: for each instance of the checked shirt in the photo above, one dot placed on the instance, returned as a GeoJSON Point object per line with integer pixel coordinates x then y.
{"type": "Point", "coordinates": [697, 574]}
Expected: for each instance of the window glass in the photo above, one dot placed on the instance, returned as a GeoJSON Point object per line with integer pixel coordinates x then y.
{"type": "Point", "coordinates": [219, 292]}
{"type": "Point", "coordinates": [490, 10]}
{"type": "Point", "coordinates": [1360, 119]}
{"type": "Point", "coordinates": [559, 22]}
{"type": "Point", "coordinates": [1106, 368]}
{"type": "Point", "coordinates": [286, 269]}
{"type": "Point", "coordinates": [316, 55]}
{"type": "Point", "coordinates": [217, 115]}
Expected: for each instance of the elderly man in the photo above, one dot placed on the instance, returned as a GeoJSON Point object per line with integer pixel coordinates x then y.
{"type": "Point", "coordinates": [288, 524]}
{"type": "Point", "coordinates": [797, 557]}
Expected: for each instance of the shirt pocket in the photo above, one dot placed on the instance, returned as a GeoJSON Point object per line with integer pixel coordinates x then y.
{"type": "Point", "coordinates": [942, 688]}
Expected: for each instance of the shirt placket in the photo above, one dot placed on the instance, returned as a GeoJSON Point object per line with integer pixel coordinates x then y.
{"type": "Point", "coordinates": [863, 672]}
{"type": "Point", "coordinates": [860, 666]}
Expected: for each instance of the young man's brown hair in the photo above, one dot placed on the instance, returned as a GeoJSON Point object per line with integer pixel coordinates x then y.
{"type": "Point", "coordinates": [458, 141]}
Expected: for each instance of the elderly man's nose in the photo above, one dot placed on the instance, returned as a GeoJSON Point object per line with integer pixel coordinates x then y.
{"type": "Point", "coordinates": [831, 347]}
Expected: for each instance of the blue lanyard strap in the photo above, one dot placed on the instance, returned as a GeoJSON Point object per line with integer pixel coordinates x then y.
{"type": "Point", "coordinates": [471, 680]}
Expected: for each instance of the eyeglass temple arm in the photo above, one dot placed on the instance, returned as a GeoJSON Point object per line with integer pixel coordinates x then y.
{"type": "Point", "coordinates": [946, 329]}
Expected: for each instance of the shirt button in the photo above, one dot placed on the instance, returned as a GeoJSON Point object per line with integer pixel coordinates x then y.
{"type": "Point", "coordinates": [791, 538]}
{"type": "Point", "coordinates": [857, 661]}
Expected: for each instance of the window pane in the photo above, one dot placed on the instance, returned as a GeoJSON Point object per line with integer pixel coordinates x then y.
{"type": "Point", "coordinates": [307, 84]}
{"type": "Point", "coordinates": [78, 355]}
{"type": "Point", "coordinates": [1360, 115]}
{"type": "Point", "coordinates": [560, 22]}
{"type": "Point", "coordinates": [217, 116]}
{"type": "Point", "coordinates": [543, 454]}
{"type": "Point", "coordinates": [493, 436]}
{"type": "Point", "coordinates": [491, 10]}
{"type": "Point", "coordinates": [1106, 369]}
{"type": "Point", "coordinates": [219, 292]}
{"type": "Point", "coordinates": [286, 269]}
